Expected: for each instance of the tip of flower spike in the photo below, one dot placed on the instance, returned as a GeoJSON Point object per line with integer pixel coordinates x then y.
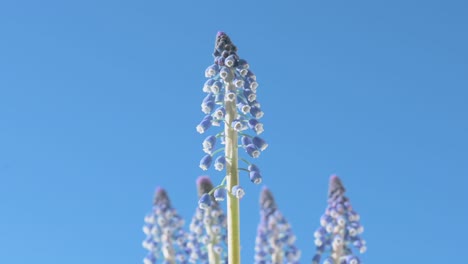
{"type": "Point", "coordinates": [220, 33]}
{"type": "Point", "coordinates": [204, 185]}
{"type": "Point", "coordinates": [335, 187]}
{"type": "Point", "coordinates": [161, 197]}
{"type": "Point", "coordinates": [267, 201]}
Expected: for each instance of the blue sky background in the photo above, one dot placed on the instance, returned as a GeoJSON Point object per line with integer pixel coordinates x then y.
{"type": "Point", "coordinates": [99, 101]}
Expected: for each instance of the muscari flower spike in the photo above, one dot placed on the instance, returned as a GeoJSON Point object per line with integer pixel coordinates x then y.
{"type": "Point", "coordinates": [275, 242]}
{"type": "Point", "coordinates": [340, 229]}
{"type": "Point", "coordinates": [165, 237]}
{"type": "Point", "coordinates": [206, 241]}
{"type": "Point", "coordinates": [231, 80]}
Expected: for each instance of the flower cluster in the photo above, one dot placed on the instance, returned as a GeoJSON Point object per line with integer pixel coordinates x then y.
{"type": "Point", "coordinates": [165, 237]}
{"type": "Point", "coordinates": [340, 229]}
{"type": "Point", "coordinates": [207, 237]}
{"type": "Point", "coordinates": [231, 91]}
{"type": "Point", "coordinates": [275, 239]}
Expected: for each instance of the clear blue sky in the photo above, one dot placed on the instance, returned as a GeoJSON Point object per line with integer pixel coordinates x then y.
{"type": "Point", "coordinates": [99, 101]}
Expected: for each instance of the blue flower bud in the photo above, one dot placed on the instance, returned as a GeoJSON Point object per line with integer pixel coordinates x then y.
{"type": "Point", "coordinates": [350, 259]}
{"type": "Point", "coordinates": [220, 162]}
{"type": "Point", "coordinates": [237, 125]}
{"type": "Point", "coordinates": [204, 124]}
{"type": "Point", "coordinates": [238, 191]}
{"type": "Point", "coordinates": [242, 64]}
{"type": "Point", "coordinates": [220, 112]}
{"type": "Point", "coordinates": [211, 71]}
{"type": "Point", "coordinates": [238, 82]}
{"type": "Point", "coordinates": [230, 97]}
{"type": "Point", "coordinates": [224, 73]}
{"type": "Point", "coordinates": [256, 126]}
{"type": "Point", "coordinates": [252, 151]}
{"type": "Point", "coordinates": [245, 140]}
{"type": "Point", "coordinates": [216, 87]}
{"type": "Point", "coordinates": [205, 201]}
{"type": "Point", "coordinates": [256, 112]}
{"type": "Point", "coordinates": [244, 108]}
{"type": "Point", "coordinates": [220, 194]}
{"type": "Point", "coordinates": [209, 143]}
{"type": "Point", "coordinates": [205, 162]}
{"type": "Point", "coordinates": [255, 177]}
{"type": "Point", "coordinates": [231, 60]}
{"type": "Point", "coordinates": [207, 85]}
{"type": "Point", "coordinates": [259, 143]}
{"type": "Point", "coordinates": [250, 95]}
{"type": "Point", "coordinates": [253, 167]}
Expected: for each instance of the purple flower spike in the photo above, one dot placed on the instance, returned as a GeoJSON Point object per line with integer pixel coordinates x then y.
{"type": "Point", "coordinates": [205, 162]}
{"type": "Point", "coordinates": [275, 242]}
{"type": "Point", "coordinates": [208, 144]}
{"type": "Point", "coordinates": [340, 228]}
{"type": "Point", "coordinates": [252, 151]}
{"type": "Point", "coordinates": [205, 201]}
{"type": "Point", "coordinates": [204, 124]}
{"type": "Point", "coordinates": [259, 143]}
{"type": "Point", "coordinates": [207, 228]}
{"type": "Point", "coordinates": [220, 162]}
{"type": "Point", "coordinates": [255, 177]}
{"type": "Point", "coordinates": [164, 230]}
{"type": "Point", "coordinates": [220, 194]}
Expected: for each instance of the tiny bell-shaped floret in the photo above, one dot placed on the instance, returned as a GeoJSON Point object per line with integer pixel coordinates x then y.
{"type": "Point", "coordinates": [245, 140]}
{"type": "Point", "coordinates": [220, 194]}
{"type": "Point", "coordinates": [205, 201]}
{"type": "Point", "coordinates": [249, 95]}
{"type": "Point", "coordinates": [255, 177]}
{"type": "Point", "coordinates": [219, 112]}
{"type": "Point", "coordinates": [259, 143]}
{"type": "Point", "coordinates": [211, 71]}
{"type": "Point", "coordinates": [208, 144]}
{"type": "Point", "coordinates": [242, 64]}
{"type": "Point", "coordinates": [220, 162]}
{"type": "Point", "coordinates": [238, 191]}
{"type": "Point", "coordinates": [224, 73]}
{"type": "Point", "coordinates": [230, 61]}
{"type": "Point", "coordinates": [208, 104]}
{"type": "Point", "coordinates": [237, 125]}
{"type": "Point", "coordinates": [205, 162]}
{"type": "Point", "coordinates": [207, 85]}
{"type": "Point", "coordinates": [256, 126]}
{"type": "Point", "coordinates": [244, 108]}
{"type": "Point", "coordinates": [256, 112]}
{"type": "Point", "coordinates": [230, 96]}
{"type": "Point", "coordinates": [252, 151]}
{"type": "Point", "coordinates": [253, 167]}
{"type": "Point", "coordinates": [204, 124]}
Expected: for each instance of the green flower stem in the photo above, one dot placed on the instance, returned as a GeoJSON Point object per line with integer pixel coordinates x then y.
{"type": "Point", "coordinates": [213, 257]}
{"type": "Point", "coordinates": [231, 153]}
{"type": "Point", "coordinates": [340, 250]}
{"type": "Point", "coordinates": [168, 253]}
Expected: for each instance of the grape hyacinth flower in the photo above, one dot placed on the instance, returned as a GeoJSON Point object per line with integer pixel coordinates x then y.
{"type": "Point", "coordinates": [340, 229]}
{"type": "Point", "coordinates": [231, 100]}
{"type": "Point", "coordinates": [206, 242]}
{"type": "Point", "coordinates": [165, 237]}
{"type": "Point", "coordinates": [275, 240]}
